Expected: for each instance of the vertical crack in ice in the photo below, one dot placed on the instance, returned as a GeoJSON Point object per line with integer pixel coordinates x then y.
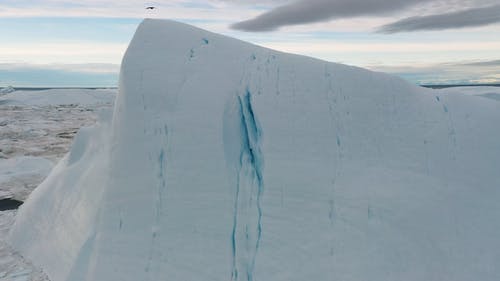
{"type": "Point", "coordinates": [334, 111]}
{"type": "Point", "coordinates": [159, 200]}
{"type": "Point", "coordinates": [233, 234]}
{"type": "Point", "coordinates": [452, 135]}
{"type": "Point", "coordinates": [250, 136]}
{"type": "Point", "coordinates": [278, 74]}
{"type": "Point", "coordinates": [120, 224]}
{"type": "Point", "coordinates": [163, 183]}
{"type": "Point", "coordinates": [247, 220]}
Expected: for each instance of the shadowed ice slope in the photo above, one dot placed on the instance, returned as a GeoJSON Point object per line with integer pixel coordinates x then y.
{"type": "Point", "coordinates": [228, 161]}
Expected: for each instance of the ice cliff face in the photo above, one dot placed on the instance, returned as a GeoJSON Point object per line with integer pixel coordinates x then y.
{"type": "Point", "coordinates": [227, 161]}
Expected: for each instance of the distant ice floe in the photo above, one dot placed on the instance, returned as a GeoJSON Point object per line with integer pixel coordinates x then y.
{"type": "Point", "coordinates": [492, 93]}
{"type": "Point", "coordinates": [6, 90]}
{"type": "Point", "coordinates": [59, 97]}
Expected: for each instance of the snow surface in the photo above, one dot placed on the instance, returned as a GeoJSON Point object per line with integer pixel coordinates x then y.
{"type": "Point", "coordinates": [12, 266]}
{"type": "Point", "coordinates": [228, 161]}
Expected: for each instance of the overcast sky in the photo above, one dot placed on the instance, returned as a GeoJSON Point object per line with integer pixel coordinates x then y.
{"type": "Point", "coordinates": [80, 43]}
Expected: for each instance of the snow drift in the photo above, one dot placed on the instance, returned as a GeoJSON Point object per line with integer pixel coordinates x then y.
{"type": "Point", "coordinates": [228, 161]}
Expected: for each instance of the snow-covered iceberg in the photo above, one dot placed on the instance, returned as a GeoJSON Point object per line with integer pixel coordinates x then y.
{"type": "Point", "coordinates": [228, 161]}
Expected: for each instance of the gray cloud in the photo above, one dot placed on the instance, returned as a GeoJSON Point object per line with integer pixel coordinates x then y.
{"type": "Point", "coordinates": [467, 18]}
{"type": "Point", "coordinates": [484, 63]}
{"type": "Point", "coordinates": [308, 11]}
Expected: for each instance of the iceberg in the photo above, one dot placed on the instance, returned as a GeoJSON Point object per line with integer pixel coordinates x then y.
{"type": "Point", "coordinates": [7, 90]}
{"type": "Point", "coordinates": [224, 160]}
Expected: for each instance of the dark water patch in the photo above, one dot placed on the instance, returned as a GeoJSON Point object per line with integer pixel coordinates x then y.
{"type": "Point", "coordinates": [9, 204]}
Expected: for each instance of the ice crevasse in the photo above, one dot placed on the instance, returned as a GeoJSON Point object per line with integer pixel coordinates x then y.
{"type": "Point", "coordinates": [223, 160]}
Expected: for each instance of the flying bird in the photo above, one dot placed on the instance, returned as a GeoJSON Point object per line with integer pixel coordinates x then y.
{"type": "Point", "coordinates": [150, 8]}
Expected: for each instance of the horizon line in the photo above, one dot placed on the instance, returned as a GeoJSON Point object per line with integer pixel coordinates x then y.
{"type": "Point", "coordinates": [432, 86]}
